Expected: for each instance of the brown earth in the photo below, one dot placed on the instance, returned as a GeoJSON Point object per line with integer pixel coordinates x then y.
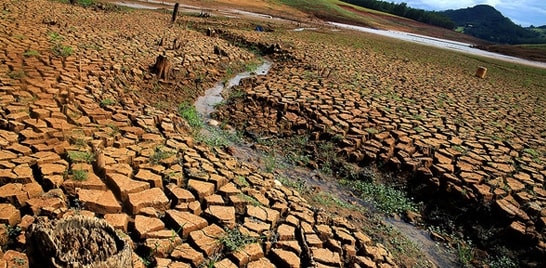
{"type": "Point", "coordinates": [83, 117]}
{"type": "Point", "coordinates": [86, 128]}
{"type": "Point", "coordinates": [480, 143]}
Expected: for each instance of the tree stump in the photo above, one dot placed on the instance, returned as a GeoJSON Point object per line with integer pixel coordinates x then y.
{"type": "Point", "coordinates": [162, 67]}
{"type": "Point", "coordinates": [175, 12]}
{"type": "Point", "coordinates": [220, 51]}
{"type": "Point", "coordinates": [76, 241]}
{"type": "Point", "coordinates": [481, 71]}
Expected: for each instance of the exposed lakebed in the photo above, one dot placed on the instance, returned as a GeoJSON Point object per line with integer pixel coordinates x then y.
{"type": "Point", "coordinates": [244, 151]}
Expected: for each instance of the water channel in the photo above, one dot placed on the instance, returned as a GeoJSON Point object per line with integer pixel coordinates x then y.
{"type": "Point", "coordinates": [205, 105]}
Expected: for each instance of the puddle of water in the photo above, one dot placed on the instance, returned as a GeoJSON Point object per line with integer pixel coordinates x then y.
{"type": "Point", "coordinates": [303, 29]}
{"type": "Point", "coordinates": [213, 96]}
{"type": "Point", "coordinates": [153, 4]}
{"type": "Point", "coordinates": [135, 5]}
{"type": "Point", "coordinates": [441, 43]}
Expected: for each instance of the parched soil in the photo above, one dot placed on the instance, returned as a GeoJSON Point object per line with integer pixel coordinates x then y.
{"type": "Point", "coordinates": [87, 128]}
{"type": "Point", "coordinates": [472, 149]}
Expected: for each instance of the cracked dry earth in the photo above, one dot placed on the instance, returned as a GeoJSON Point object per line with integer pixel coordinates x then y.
{"type": "Point", "coordinates": [475, 147]}
{"type": "Point", "coordinates": [83, 133]}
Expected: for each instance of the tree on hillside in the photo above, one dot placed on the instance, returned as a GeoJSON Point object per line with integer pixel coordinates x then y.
{"type": "Point", "coordinates": [487, 23]}
{"type": "Point", "coordinates": [403, 10]}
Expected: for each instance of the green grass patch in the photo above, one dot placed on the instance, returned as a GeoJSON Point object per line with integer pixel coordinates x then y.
{"type": "Point", "coordinates": [329, 200]}
{"type": "Point", "coordinates": [250, 200]}
{"type": "Point", "coordinates": [54, 37]}
{"type": "Point", "coordinates": [216, 137]}
{"type": "Point", "coordinates": [16, 75]}
{"type": "Point", "coordinates": [372, 130]}
{"type": "Point", "coordinates": [270, 162]}
{"type": "Point", "coordinates": [159, 154]}
{"type": "Point", "coordinates": [297, 184]}
{"type": "Point", "coordinates": [107, 102]}
{"type": "Point", "coordinates": [534, 154]}
{"type": "Point", "coordinates": [79, 174]}
{"type": "Point", "coordinates": [60, 50]}
{"type": "Point", "coordinates": [241, 181]}
{"type": "Point", "coordinates": [31, 53]}
{"type": "Point", "coordinates": [384, 198]}
{"type": "Point", "coordinates": [81, 157]}
{"type": "Point", "coordinates": [190, 114]}
{"type": "Point", "coordinates": [234, 240]}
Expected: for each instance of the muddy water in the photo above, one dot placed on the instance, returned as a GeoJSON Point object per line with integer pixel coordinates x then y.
{"type": "Point", "coordinates": [213, 96]}
{"type": "Point", "coordinates": [246, 152]}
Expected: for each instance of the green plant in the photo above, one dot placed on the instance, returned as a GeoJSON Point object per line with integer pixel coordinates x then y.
{"type": "Point", "coordinates": [241, 181]}
{"type": "Point", "coordinates": [80, 142]}
{"type": "Point", "coordinates": [234, 240]}
{"type": "Point", "coordinates": [19, 261]}
{"type": "Point", "coordinates": [236, 94]}
{"type": "Point", "coordinates": [31, 53]}
{"type": "Point", "coordinates": [465, 252]}
{"type": "Point", "coordinates": [418, 117]}
{"type": "Point", "coordinates": [384, 198]}
{"type": "Point", "coordinates": [13, 231]}
{"type": "Point", "coordinates": [81, 156]}
{"type": "Point", "coordinates": [107, 102]}
{"type": "Point", "coordinates": [251, 200]}
{"type": "Point", "coordinates": [159, 154]}
{"type": "Point", "coordinates": [16, 75]}
{"type": "Point", "coordinates": [418, 129]}
{"type": "Point", "coordinates": [188, 112]}
{"type": "Point", "coordinates": [460, 149]}
{"type": "Point", "coordinates": [327, 199]}
{"type": "Point", "coordinates": [270, 162]}
{"type": "Point", "coordinates": [54, 37]}
{"type": "Point", "coordinates": [114, 129]}
{"type": "Point", "coordinates": [372, 130]}
{"type": "Point", "coordinates": [534, 154]}
{"type": "Point", "coordinates": [251, 66]}
{"type": "Point", "coordinates": [502, 262]}
{"type": "Point", "coordinates": [211, 261]}
{"type": "Point", "coordinates": [216, 137]}
{"type": "Point", "coordinates": [79, 174]}
{"type": "Point", "coordinates": [86, 3]}
{"type": "Point", "coordinates": [62, 50]}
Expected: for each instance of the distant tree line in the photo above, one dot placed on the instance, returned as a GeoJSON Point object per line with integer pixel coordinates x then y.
{"type": "Point", "coordinates": [403, 10]}
{"type": "Point", "coordinates": [487, 23]}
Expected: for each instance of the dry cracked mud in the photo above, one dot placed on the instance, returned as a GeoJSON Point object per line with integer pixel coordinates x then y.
{"type": "Point", "coordinates": [87, 129]}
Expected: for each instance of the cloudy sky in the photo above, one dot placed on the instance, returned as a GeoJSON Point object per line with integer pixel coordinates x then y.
{"type": "Point", "coordinates": [522, 12]}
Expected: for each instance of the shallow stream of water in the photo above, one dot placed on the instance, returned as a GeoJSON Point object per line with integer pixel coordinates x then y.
{"type": "Point", "coordinates": [213, 96]}
{"type": "Point", "coordinates": [205, 105]}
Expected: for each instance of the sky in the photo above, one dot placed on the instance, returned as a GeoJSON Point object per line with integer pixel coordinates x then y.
{"type": "Point", "coordinates": [521, 12]}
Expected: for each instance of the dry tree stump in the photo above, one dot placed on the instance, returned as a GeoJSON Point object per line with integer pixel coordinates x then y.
{"type": "Point", "coordinates": [481, 72]}
{"type": "Point", "coordinates": [76, 241]}
{"type": "Point", "coordinates": [175, 13]}
{"type": "Point", "coordinates": [162, 67]}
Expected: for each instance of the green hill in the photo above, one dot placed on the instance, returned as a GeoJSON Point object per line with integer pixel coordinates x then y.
{"type": "Point", "coordinates": [487, 23]}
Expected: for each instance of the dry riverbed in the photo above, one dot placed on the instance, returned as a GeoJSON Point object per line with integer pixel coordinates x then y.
{"type": "Point", "coordinates": [86, 128]}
